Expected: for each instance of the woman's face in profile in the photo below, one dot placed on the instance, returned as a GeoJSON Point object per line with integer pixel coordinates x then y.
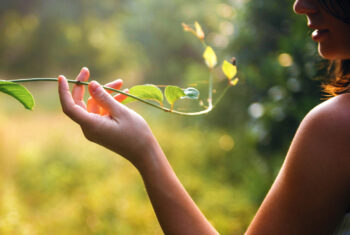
{"type": "Point", "coordinates": [332, 34]}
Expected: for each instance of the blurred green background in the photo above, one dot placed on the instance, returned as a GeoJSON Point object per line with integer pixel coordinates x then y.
{"type": "Point", "coordinates": [53, 181]}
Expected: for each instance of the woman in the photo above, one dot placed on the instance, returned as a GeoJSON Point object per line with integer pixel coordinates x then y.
{"type": "Point", "coordinates": [311, 194]}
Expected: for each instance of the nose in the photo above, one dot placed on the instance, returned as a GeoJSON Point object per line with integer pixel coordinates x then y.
{"type": "Point", "coordinates": [305, 6]}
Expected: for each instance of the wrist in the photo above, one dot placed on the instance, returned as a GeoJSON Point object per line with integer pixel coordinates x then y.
{"type": "Point", "coordinates": [150, 159]}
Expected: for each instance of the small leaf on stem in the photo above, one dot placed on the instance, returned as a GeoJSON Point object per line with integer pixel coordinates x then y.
{"type": "Point", "coordinates": [172, 94]}
{"type": "Point", "coordinates": [187, 28]}
{"type": "Point", "coordinates": [18, 92]}
{"type": "Point", "coordinates": [229, 69]}
{"type": "Point", "coordinates": [147, 92]}
{"type": "Point", "coordinates": [234, 82]}
{"type": "Point", "coordinates": [199, 31]}
{"type": "Point", "coordinates": [210, 57]}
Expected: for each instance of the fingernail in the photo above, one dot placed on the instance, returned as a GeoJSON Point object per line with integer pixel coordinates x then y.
{"type": "Point", "coordinates": [60, 78]}
{"type": "Point", "coordinates": [62, 84]}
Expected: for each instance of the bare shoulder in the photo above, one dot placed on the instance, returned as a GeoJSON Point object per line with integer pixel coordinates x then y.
{"type": "Point", "coordinates": [323, 138]}
{"type": "Point", "coordinates": [312, 190]}
{"type": "Point", "coordinates": [330, 118]}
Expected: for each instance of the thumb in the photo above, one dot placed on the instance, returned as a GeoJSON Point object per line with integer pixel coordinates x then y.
{"type": "Point", "coordinates": [105, 100]}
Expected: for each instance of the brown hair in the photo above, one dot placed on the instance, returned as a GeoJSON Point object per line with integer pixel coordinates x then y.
{"type": "Point", "coordinates": [340, 81]}
{"type": "Point", "coordinates": [338, 8]}
{"type": "Point", "coordinates": [339, 69]}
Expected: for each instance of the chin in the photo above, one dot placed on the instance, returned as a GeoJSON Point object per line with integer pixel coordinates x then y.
{"type": "Point", "coordinates": [330, 53]}
{"type": "Point", "coordinates": [326, 52]}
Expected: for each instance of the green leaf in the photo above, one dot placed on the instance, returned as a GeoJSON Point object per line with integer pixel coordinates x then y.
{"type": "Point", "coordinates": [191, 93]}
{"type": "Point", "coordinates": [18, 92]}
{"type": "Point", "coordinates": [146, 92]}
{"type": "Point", "coordinates": [173, 93]}
{"type": "Point", "coordinates": [229, 70]}
{"type": "Point", "coordinates": [210, 57]}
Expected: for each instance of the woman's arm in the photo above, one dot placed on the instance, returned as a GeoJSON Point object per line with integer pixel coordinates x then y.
{"type": "Point", "coordinates": [125, 132]}
{"type": "Point", "coordinates": [309, 196]}
{"type": "Point", "coordinates": [312, 190]}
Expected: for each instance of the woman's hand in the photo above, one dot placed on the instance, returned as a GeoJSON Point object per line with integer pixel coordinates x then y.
{"type": "Point", "coordinates": [104, 120]}
{"type": "Point", "coordinates": [107, 122]}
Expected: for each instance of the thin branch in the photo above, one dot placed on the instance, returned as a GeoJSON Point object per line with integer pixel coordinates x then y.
{"type": "Point", "coordinates": [222, 94]}
{"type": "Point", "coordinates": [207, 110]}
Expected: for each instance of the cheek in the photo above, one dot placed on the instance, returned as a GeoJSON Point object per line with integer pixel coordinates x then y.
{"type": "Point", "coordinates": [346, 43]}
{"type": "Point", "coordinates": [336, 46]}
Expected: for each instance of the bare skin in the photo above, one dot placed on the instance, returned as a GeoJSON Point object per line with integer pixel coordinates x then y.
{"type": "Point", "coordinates": [297, 203]}
{"type": "Point", "coordinates": [312, 191]}
{"type": "Point", "coordinates": [125, 132]}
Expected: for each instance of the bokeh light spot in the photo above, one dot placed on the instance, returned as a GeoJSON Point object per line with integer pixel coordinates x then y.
{"type": "Point", "coordinates": [256, 110]}
{"type": "Point", "coordinates": [226, 142]}
{"type": "Point", "coordinates": [226, 28]}
{"type": "Point", "coordinates": [276, 93]}
{"type": "Point", "coordinates": [225, 10]}
{"type": "Point", "coordinates": [294, 84]}
{"type": "Point", "coordinates": [219, 40]}
{"type": "Point", "coordinates": [285, 60]}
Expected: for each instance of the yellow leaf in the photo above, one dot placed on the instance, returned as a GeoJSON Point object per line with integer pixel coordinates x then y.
{"type": "Point", "coordinates": [229, 69]}
{"type": "Point", "coordinates": [199, 31]}
{"type": "Point", "coordinates": [210, 57]}
{"type": "Point", "coordinates": [234, 82]}
{"type": "Point", "coordinates": [188, 28]}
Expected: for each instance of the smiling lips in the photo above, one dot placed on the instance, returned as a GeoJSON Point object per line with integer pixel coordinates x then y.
{"type": "Point", "coordinates": [319, 34]}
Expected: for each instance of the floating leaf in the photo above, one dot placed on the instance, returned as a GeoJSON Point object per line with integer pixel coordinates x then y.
{"type": "Point", "coordinates": [229, 70]}
{"type": "Point", "coordinates": [146, 92]}
{"type": "Point", "coordinates": [191, 93]}
{"type": "Point", "coordinates": [172, 94]}
{"type": "Point", "coordinates": [199, 31]}
{"type": "Point", "coordinates": [210, 57]}
{"type": "Point", "coordinates": [18, 92]}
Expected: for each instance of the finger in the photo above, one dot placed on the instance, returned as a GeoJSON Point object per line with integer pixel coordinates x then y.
{"type": "Point", "coordinates": [103, 111]}
{"type": "Point", "coordinates": [117, 84]}
{"type": "Point", "coordinates": [105, 100]}
{"type": "Point", "coordinates": [92, 106]}
{"type": "Point", "coordinates": [120, 97]}
{"type": "Point", "coordinates": [75, 112]}
{"type": "Point", "coordinates": [78, 90]}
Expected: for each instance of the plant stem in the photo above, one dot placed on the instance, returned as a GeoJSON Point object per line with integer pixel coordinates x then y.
{"type": "Point", "coordinates": [204, 44]}
{"type": "Point", "coordinates": [207, 110]}
{"type": "Point", "coordinates": [83, 83]}
{"type": "Point", "coordinates": [222, 95]}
